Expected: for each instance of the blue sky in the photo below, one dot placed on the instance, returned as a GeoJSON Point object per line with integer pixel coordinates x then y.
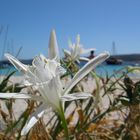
{"type": "Point", "coordinates": [99, 22]}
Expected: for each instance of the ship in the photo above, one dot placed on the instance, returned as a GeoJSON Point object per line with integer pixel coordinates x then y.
{"type": "Point", "coordinates": [114, 61]}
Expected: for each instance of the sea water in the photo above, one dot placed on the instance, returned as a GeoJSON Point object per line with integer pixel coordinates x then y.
{"type": "Point", "coordinates": [109, 70]}
{"type": "Point", "coordinates": [101, 70]}
{"type": "Point", "coordinates": [8, 70]}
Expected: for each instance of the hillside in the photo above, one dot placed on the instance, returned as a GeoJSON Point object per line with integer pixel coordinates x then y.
{"type": "Point", "coordinates": [128, 57]}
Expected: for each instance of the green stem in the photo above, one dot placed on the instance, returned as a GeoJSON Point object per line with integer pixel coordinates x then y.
{"type": "Point", "coordinates": [64, 122]}
{"type": "Point", "coordinates": [97, 97]}
{"type": "Point", "coordinates": [69, 64]}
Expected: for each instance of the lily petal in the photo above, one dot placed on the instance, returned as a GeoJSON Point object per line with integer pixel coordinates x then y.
{"type": "Point", "coordinates": [85, 70]}
{"type": "Point", "coordinates": [84, 59]}
{"type": "Point", "coordinates": [26, 70]}
{"type": "Point", "coordinates": [53, 47]}
{"type": "Point", "coordinates": [54, 90]}
{"type": "Point", "coordinates": [33, 119]}
{"type": "Point", "coordinates": [26, 83]}
{"type": "Point", "coordinates": [67, 52]}
{"type": "Point", "coordinates": [20, 96]}
{"type": "Point", "coordinates": [18, 65]}
{"type": "Point", "coordinates": [70, 44]}
{"type": "Point", "coordinates": [75, 96]}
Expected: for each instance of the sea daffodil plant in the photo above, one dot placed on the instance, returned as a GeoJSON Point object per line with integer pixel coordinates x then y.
{"type": "Point", "coordinates": [76, 50]}
{"type": "Point", "coordinates": [45, 75]}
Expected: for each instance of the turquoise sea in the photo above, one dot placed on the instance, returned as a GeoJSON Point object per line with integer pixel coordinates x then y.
{"type": "Point", "coordinates": [102, 70]}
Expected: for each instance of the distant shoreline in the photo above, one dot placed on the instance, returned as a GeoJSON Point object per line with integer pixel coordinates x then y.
{"type": "Point", "coordinates": [128, 57]}
{"type": "Point", "coordinates": [124, 57]}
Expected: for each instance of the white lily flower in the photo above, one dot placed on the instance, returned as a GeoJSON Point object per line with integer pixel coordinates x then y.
{"type": "Point", "coordinates": [45, 74]}
{"type": "Point", "coordinates": [77, 50]}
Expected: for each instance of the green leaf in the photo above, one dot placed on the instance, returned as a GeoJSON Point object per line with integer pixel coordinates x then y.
{"type": "Point", "coordinates": [5, 81]}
